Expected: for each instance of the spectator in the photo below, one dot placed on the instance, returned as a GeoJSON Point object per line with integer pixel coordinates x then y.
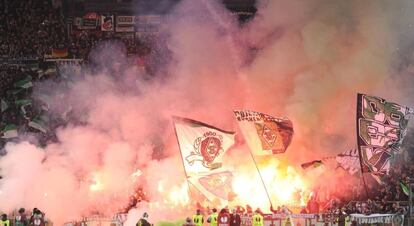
{"type": "Point", "coordinates": [4, 221]}
{"type": "Point", "coordinates": [143, 221]}
{"type": "Point", "coordinates": [21, 218]}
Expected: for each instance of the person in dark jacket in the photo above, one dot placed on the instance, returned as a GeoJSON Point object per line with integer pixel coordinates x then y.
{"type": "Point", "coordinates": [188, 222]}
{"type": "Point", "coordinates": [21, 218]}
{"type": "Point", "coordinates": [341, 217]}
{"type": "Point", "coordinates": [37, 218]}
{"type": "Point", "coordinates": [143, 221]}
{"type": "Point", "coordinates": [235, 219]}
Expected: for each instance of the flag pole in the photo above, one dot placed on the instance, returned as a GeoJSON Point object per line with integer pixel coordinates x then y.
{"type": "Point", "coordinates": [182, 160]}
{"type": "Point", "coordinates": [363, 180]}
{"type": "Point", "coordinates": [359, 96]}
{"type": "Point", "coordinates": [261, 178]}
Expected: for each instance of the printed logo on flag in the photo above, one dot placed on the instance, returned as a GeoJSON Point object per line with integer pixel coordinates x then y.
{"type": "Point", "coordinates": [263, 133]}
{"type": "Point", "coordinates": [218, 184]}
{"type": "Point", "coordinates": [202, 146]}
{"type": "Point", "coordinates": [206, 150]}
{"type": "Point", "coordinates": [268, 134]}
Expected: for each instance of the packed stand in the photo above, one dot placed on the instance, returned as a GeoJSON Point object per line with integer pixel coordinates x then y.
{"type": "Point", "coordinates": [21, 113]}
{"type": "Point", "coordinates": [30, 28]}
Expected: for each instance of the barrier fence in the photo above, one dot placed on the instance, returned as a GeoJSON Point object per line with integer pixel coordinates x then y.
{"type": "Point", "coordinates": [326, 219]}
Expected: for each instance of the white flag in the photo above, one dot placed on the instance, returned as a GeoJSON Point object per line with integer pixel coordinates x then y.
{"type": "Point", "coordinates": [264, 134]}
{"type": "Point", "coordinates": [202, 146]}
{"type": "Point", "coordinates": [349, 160]}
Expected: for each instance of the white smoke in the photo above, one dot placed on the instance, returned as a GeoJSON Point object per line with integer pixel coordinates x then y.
{"type": "Point", "coordinates": [310, 60]}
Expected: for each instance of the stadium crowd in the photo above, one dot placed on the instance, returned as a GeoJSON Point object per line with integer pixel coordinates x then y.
{"type": "Point", "coordinates": [30, 32]}
{"type": "Point", "coordinates": [30, 28]}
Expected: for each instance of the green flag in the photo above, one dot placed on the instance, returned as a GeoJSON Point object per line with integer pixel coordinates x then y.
{"type": "Point", "coordinates": [23, 102]}
{"type": "Point", "coordinates": [4, 105]}
{"type": "Point", "coordinates": [9, 131]}
{"type": "Point", "coordinates": [405, 188]}
{"type": "Point", "coordinates": [24, 83]}
{"type": "Point", "coordinates": [14, 92]}
{"type": "Point", "coordinates": [38, 124]}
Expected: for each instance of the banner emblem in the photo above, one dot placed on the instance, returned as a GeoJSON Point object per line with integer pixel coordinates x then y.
{"type": "Point", "coordinates": [267, 132]}
{"type": "Point", "coordinates": [206, 149]}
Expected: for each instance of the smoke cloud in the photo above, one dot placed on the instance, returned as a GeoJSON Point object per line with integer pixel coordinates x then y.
{"type": "Point", "coordinates": [306, 61]}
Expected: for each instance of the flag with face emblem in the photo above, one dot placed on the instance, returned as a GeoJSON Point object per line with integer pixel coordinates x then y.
{"type": "Point", "coordinates": [202, 146]}
{"type": "Point", "coordinates": [263, 133]}
{"type": "Point", "coordinates": [381, 127]}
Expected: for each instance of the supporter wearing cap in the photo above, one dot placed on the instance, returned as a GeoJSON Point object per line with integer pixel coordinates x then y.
{"type": "Point", "coordinates": [21, 218]}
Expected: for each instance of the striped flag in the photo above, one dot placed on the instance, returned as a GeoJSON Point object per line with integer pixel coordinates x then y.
{"type": "Point", "coordinates": [10, 131]}
{"type": "Point", "coordinates": [38, 124]}
{"type": "Point", "coordinates": [24, 83]}
{"type": "Point", "coordinates": [59, 52]}
{"type": "Point", "coordinates": [405, 188]}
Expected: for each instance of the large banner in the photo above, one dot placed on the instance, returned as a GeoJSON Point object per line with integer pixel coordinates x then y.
{"type": "Point", "coordinates": [381, 127]}
{"type": "Point", "coordinates": [264, 134]}
{"type": "Point", "coordinates": [393, 219]}
{"type": "Point", "coordinates": [202, 146]}
{"type": "Point", "coordinates": [88, 21]}
{"type": "Point", "coordinates": [107, 22]}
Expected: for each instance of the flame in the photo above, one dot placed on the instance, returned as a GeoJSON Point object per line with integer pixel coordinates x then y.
{"type": "Point", "coordinates": [179, 195]}
{"type": "Point", "coordinates": [137, 173]}
{"type": "Point", "coordinates": [96, 182]}
{"type": "Point", "coordinates": [175, 196]}
{"type": "Point", "coordinates": [284, 185]}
